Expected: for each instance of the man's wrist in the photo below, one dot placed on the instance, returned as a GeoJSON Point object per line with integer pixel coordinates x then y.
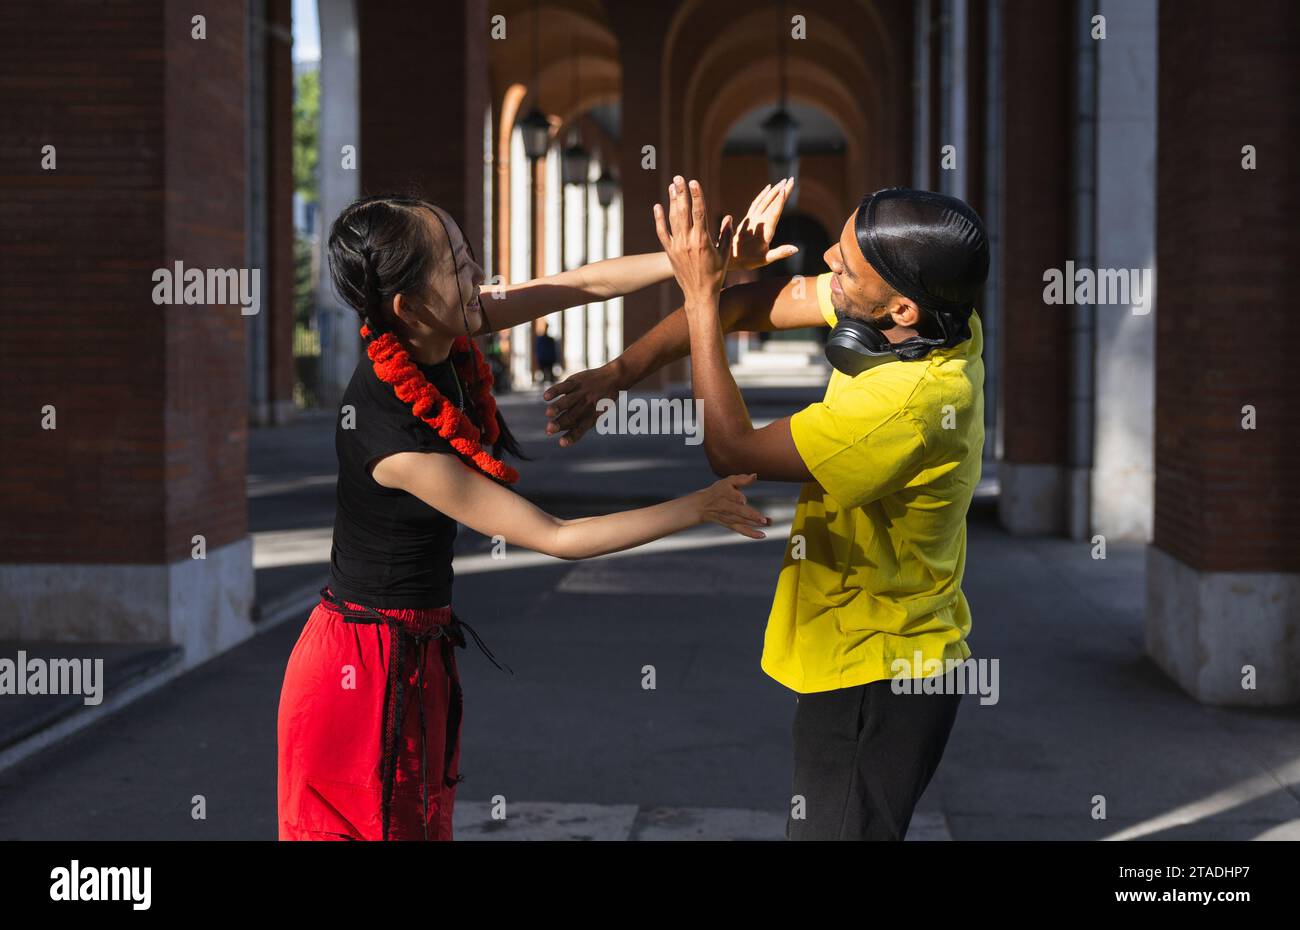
{"type": "Point", "coordinates": [702, 303]}
{"type": "Point", "coordinates": [620, 370]}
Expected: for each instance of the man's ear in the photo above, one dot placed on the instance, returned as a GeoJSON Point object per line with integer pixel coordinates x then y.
{"type": "Point", "coordinates": [904, 312]}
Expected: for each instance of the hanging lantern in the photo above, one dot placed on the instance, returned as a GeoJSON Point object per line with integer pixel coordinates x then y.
{"type": "Point", "coordinates": [781, 136]}
{"type": "Point", "coordinates": [535, 127]}
{"type": "Point", "coordinates": [606, 188]}
{"type": "Point", "coordinates": [575, 164]}
{"type": "Point", "coordinates": [781, 130]}
{"type": "Point", "coordinates": [536, 130]}
{"type": "Point", "coordinates": [577, 160]}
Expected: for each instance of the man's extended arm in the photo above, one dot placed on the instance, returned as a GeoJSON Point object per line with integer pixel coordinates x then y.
{"type": "Point", "coordinates": [771, 304]}
{"type": "Point", "coordinates": [700, 264]}
{"type": "Point", "coordinates": [729, 435]}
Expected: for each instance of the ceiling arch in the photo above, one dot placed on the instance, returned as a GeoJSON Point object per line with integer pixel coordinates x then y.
{"type": "Point", "coordinates": [849, 66]}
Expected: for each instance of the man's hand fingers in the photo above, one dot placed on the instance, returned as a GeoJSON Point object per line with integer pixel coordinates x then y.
{"type": "Point", "coordinates": [573, 435]}
{"type": "Point", "coordinates": [699, 211]}
{"type": "Point", "coordinates": [561, 405]}
{"type": "Point", "coordinates": [560, 387]}
{"type": "Point", "coordinates": [580, 412]}
{"type": "Point", "coordinates": [563, 401]}
{"type": "Point", "coordinates": [679, 214]}
{"type": "Point", "coordinates": [559, 425]}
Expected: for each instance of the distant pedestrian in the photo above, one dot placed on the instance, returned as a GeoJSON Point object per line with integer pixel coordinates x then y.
{"type": "Point", "coordinates": [547, 354]}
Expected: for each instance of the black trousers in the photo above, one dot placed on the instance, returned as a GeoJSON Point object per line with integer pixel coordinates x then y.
{"type": "Point", "coordinates": [862, 758]}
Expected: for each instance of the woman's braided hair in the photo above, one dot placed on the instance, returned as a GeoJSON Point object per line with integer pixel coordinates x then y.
{"type": "Point", "coordinates": [380, 247]}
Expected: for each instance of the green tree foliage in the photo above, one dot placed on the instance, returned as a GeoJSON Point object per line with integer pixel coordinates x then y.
{"type": "Point", "coordinates": [304, 281]}
{"type": "Point", "coordinates": [306, 133]}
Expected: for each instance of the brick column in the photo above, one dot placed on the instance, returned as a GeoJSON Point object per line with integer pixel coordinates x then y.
{"type": "Point", "coordinates": [1223, 574]}
{"type": "Point", "coordinates": [423, 98]}
{"type": "Point", "coordinates": [149, 402]}
{"type": "Point", "coordinates": [279, 231]}
{"type": "Point", "coordinates": [1035, 237]}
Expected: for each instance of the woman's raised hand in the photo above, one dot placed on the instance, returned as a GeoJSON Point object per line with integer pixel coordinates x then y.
{"type": "Point", "coordinates": [751, 246]}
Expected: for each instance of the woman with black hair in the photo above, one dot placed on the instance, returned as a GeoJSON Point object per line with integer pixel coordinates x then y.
{"type": "Point", "coordinates": [370, 709]}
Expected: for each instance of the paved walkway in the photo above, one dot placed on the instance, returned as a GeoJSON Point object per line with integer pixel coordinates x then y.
{"type": "Point", "coordinates": [577, 747]}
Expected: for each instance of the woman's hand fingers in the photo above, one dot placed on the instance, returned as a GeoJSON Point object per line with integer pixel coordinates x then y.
{"type": "Point", "coordinates": [775, 196]}
{"type": "Point", "coordinates": [661, 230]}
{"type": "Point", "coordinates": [746, 514]}
{"type": "Point", "coordinates": [729, 508]}
{"type": "Point", "coordinates": [745, 530]}
{"type": "Point", "coordinates": [726, 232]}
{"type": "Point", "coordinates": [770, 215]}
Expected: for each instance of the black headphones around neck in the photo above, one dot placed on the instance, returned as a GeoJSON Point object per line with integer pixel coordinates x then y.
{"type": "Point", "coordinates": [855, 346]}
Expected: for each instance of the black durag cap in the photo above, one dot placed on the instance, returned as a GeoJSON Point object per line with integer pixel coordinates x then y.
{"type": "Point", "coordinates": [930, 248]}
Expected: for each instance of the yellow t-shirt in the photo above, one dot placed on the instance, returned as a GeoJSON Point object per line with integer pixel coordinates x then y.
{"type": "Point", "coordinates": [882, 532]}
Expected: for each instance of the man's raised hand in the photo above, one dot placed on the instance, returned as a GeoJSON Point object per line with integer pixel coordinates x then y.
{"type": "Point", "coordinates": [699, 261]}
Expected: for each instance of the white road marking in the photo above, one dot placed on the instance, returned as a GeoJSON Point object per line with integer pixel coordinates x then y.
{"type": "Point", "coordinates": [542, 820]}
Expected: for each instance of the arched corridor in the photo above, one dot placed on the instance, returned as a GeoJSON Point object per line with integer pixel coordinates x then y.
{"type": "Point", "coordinates": [169, 488]}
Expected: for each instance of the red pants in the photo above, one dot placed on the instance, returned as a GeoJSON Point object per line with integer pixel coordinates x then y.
{"type": "Point", "coordinates": [340, 752]}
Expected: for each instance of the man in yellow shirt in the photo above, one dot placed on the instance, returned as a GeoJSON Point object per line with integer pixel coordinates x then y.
{"type": "Point", "coordinates": [869, 595]}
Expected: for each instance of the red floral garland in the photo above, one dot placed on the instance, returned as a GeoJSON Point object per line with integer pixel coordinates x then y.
{"type": "Point", "coordinates": [394, 366]}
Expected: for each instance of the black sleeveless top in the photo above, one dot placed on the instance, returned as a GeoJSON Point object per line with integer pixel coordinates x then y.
{"type": "Point", "coordinates": [391, 550]}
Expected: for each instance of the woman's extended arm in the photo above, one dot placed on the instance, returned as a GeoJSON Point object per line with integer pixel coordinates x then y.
{"type": "Point", "coordinates": [509, 305]}
{"type": "Point", "coordinates": [446, 484]}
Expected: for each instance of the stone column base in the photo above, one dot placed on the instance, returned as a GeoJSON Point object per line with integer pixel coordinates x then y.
{"type": "Point", "coordinates": [1031, 499]}
{"type": "Point", "coordinates": [202, 605]}
{"type": "Point", "coordinates": [1203, 627]}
